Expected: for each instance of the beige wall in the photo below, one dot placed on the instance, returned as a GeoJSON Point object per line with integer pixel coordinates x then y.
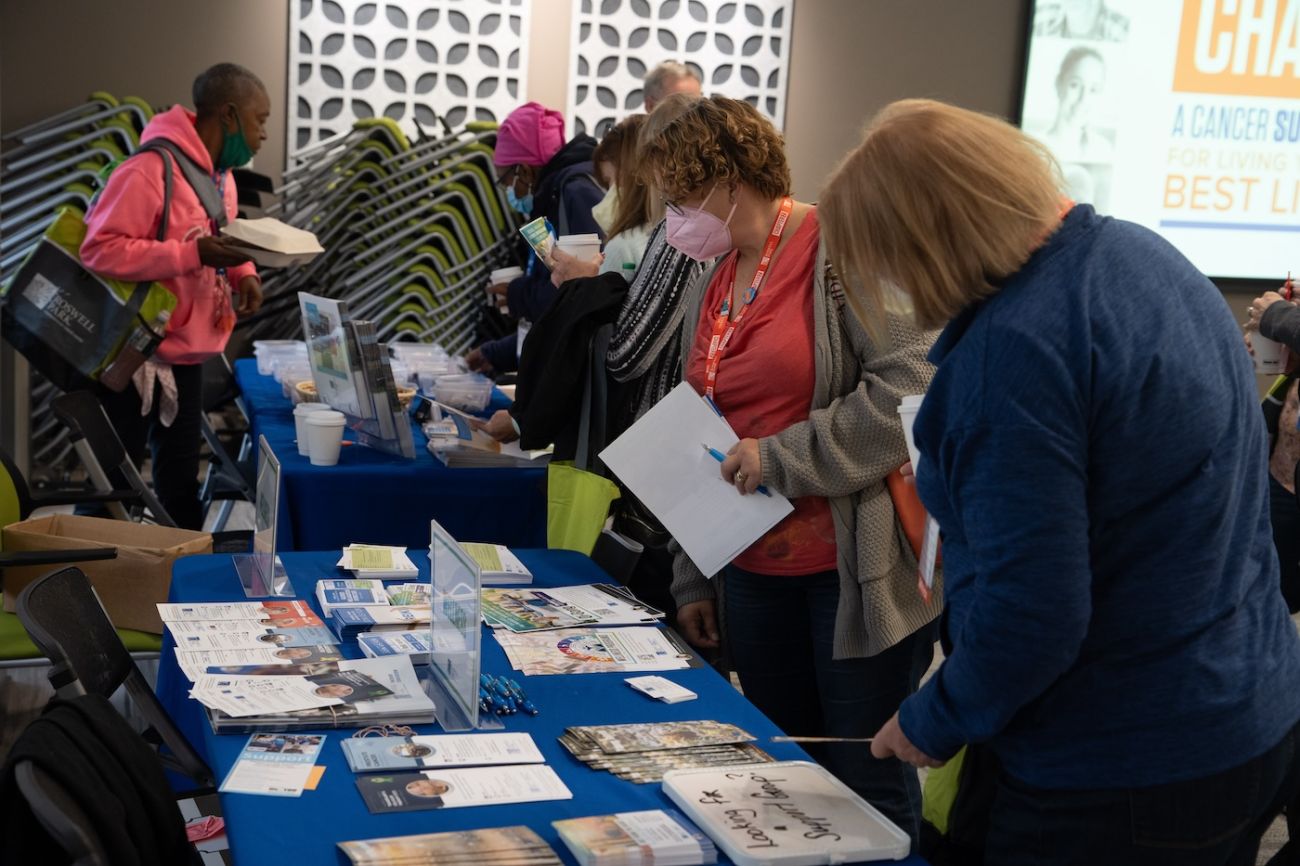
{"type": "Point", "coordinates": [847, 59]}
{"type": "Point", "coordinates": [54, 54]}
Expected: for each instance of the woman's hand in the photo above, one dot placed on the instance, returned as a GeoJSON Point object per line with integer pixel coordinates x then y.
{"type": "Point", "coordinates": [478, 362]}
{"type": "Point", "coordinates": [743, 466]}
{"type": "Point", "coordinates": [500, 426]}
{"type": "Point", "coordinates": [1258, 306]}
{"type": "Point", "coordinates": [891, 742]}
{"type": "Point", "coordinates": [250, 296]}
{"type": "Point", "coordinates": [698, 623]}
{"type": "Point", "coordinates": [565, 267]}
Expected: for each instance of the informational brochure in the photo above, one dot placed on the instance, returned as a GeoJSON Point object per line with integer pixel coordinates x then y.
{"type": "Point", "coordinates": [277, 765]}
{"type": "Point", "coordinates": [493, 846]}
{"type": "Point", "coordinates": [378, 561]}
{"type": "Point", "coordinates": [497, 564]}
{"type": "Point", "coordinates": [370, 754]}
{"type": "Point", "coordinates": [196, 663]}
{"type": "Point", "coordinates": [258, 696]}
{"type": "Point", "coordinates": [286, 614]}
{"type": "Point", "coordinates": [239, 635]}
{"type": "Point", "coordinates": [524, 610]}
{"type": "Point", "coordinates": [349, 592]}
{"type": "Point", "coordinates": [650, 736]}
{"type": "Point", "coordinates": [655, 837]}
{"type": "Point", "coordinates": [450, 789]}
{"type": "Point", "coordinates": [410, 595]}
{"type": "Point", "coordinates": [583, 651]}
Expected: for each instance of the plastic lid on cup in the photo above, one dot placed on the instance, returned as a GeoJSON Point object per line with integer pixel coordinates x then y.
{"type": "Point", "coordinates": [310, 408]}
{"type": "Point", "coordinates": [330, 418]}
{"type": "Point", "coordinates": [501, 275]}
{"type": "Point", "coordinates": [579, 240]}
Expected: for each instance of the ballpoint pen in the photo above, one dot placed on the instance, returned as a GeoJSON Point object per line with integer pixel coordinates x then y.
{"type": "Point", "coordinates": [719, 456]}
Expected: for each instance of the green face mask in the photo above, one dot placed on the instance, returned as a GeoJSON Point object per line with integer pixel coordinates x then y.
{"type": "Point", "coordinates": [234, 148]}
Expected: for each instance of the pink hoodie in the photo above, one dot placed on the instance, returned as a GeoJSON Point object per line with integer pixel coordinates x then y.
{"type": "Point", "coordinates": [121, 241]}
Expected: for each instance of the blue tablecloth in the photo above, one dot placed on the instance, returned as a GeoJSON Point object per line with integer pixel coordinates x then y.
{"type": "Point", "coordinates": [269, 831]}
{"type": "Point", "coordinates": [377, 498]}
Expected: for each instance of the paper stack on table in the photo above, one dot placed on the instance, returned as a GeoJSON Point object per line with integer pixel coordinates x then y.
{"type": "Point", "coordinates": [383, 754]}
{"type": "Point", "coordinates": [643, 752]}
{"type": "Point", "coordinates": [240, 696]}
{"type": "Point", "coordinates": [273, 244]}
{"type": "Point", "coordinates": [378, 562]}
{"type": "Point", "coordinates": [448, 789]}
{"type": "Point", "coordinates": [415, 645]}
{"type": "Point", "coordinates": [497, 564]}
{"type": "Point", "coordinates": [349, 622]}
{"type": "Point", "coordinates": [244, 626]}
{"type": "Point", "coordinates": [656, 837]}
{"type": "Point", "coordinates": [592, 651]}
{"type": "Point", "coordinates": [458, 445]}
{"type": "Point", "coordinates": [343, 592]}
{"type": "Point", "coordinates": [195, 663]}
{"type": "Point", "coordinates": [496, 845]}
{"type": "Point", "coordinates": [525, 610]}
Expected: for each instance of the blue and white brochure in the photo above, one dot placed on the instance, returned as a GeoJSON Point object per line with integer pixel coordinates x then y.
{"type": "Point", "coordinates": [375, 754]}
{"type": "Point", "coordinates": [275, 765]}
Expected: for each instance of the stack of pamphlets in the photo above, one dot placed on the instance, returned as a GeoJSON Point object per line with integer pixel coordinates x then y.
{"type": "Point", "coordinates": [525, 610]}
{"type": "Point", "coordinates": [415, 645]}
{"type": "Point", "coordinates": [494, 846]}
{"type": "Point", "coordinates": [349, 622]}
{"type": "Point", "coordinates": [644, 752]}
{"type": "Point", "coordinates": [244, 626]}
{"type": "Point", "coordinates": [417, 791]}
{"type": "Point", "coordinates": [348, 693]}
{"type": "Point", "coordinates": [497, 565]}
{"type": "Point", "coordinates": [458, 445]}
{"type": "Point", "coordinates": [385, 754]}
{"type": "Point", "coordinates": [378, 561]}
{"type": "Point", "coordinates": [410, 595]}
{"type": "Point", "coordinates": [593, 651]}
{"type": "Point", "coordinates": [196, 663]}
{"type": "Point", "coordinates": [656, 837]}
{"type": "Point", "coordinates": [344, 592]}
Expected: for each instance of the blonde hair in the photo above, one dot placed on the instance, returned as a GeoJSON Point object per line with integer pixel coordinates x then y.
{"type": "Point", "coordinates": [940, 202]}
{"type": "Point", "coordinates": [637, 204]}
{"type": "Point", "coordinates": [688, 141]}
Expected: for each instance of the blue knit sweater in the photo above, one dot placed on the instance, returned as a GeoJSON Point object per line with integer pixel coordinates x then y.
{"type": "Point", "coordinates": [1093, 449]}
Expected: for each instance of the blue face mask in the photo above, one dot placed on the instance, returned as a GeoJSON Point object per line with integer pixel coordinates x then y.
{"type": "Point", "coordinates": [520, 205]}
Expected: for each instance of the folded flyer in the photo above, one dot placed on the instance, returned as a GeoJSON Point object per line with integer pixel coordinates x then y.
{"type": "Point", "coordinates": [344, 592]}
{"type": "Point", "coordinates": [198, 662]}
{"type": "Point", "coordinates": [449, 789]}
{"type": "Point", "coordinates": [540, 236]}
{"type": "Point", "coordinates": [370, 754]}
{"type": "Point", "coordinates": [493, 846]}
{"type": "Point", "coordinates": [277, 765]}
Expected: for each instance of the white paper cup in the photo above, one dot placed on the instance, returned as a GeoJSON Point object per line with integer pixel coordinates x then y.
{"type": "Point", "coordinates": [325, 430]}
{"type": "Point", "coordinates": [504, 275]}
{"type": "Point", "coordinates": [1268, 355]}
{"type": "Point", "coordinates": [581, 247]}
{"type": "Point", "coordinates": [300, 413]}
{"type": "Point", "coordinates": [907, 409]}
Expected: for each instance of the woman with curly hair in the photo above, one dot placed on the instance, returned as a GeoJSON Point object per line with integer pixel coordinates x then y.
{"type": "Point", "coordinates": [820, 617]}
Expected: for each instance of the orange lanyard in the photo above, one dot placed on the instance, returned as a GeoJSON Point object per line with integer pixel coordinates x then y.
{"type": "Point", "coordinates": [723, 326]}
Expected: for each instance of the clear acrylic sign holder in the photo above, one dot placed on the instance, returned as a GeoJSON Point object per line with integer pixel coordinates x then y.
{"type": "Point", "coordinates": [261, 573]}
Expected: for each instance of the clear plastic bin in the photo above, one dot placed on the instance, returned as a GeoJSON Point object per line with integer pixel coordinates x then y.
{"type": "Point", "coordinates": [469, 391]}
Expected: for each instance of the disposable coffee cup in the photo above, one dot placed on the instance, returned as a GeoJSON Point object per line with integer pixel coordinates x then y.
{"type": "Point", "coordinates": [907, 410]}
{"type": "Point", "coordinates": [1268, 355]}
{"type": "Point", "coordinates": [581, 247]}
{"type": "Point", "coordinates": [504, 275]}
{"type": "Point", "coordinates": [300, 413]}
{"type": "Point", "coordinates": [325, 432]}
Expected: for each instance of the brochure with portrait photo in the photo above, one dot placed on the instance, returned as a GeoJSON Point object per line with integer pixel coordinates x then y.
{"type": "Point", "coordinates": [371, 754]}
{"type": "Point", "coordinates": [450, 789]}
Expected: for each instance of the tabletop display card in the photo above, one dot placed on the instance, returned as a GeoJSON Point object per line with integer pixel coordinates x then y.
{"type": "Point", "coordinates": [794, 813]}
{"type": "Point", "coordinates": [277, 765]}
{"type": "Point", "coordinates": [449, 789]}
{"type": "Point", "coordinates": [494, 846]}
{"type": "Point", "coordinates": [371, 754]}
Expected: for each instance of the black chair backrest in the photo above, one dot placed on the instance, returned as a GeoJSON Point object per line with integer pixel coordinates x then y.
{"type": "Point", "coordinates": [65, 620]}
{"type": "Point", "coordinates": [85, 417]}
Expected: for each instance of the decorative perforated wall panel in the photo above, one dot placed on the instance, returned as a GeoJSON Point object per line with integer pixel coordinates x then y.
{"type": "Point", "coordinates": [739, 49]}
{"type": "Point", "coordinates": [411, 60]}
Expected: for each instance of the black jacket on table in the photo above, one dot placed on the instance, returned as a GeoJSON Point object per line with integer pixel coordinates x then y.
{"type": "Point", "coordinates": [554, 364]}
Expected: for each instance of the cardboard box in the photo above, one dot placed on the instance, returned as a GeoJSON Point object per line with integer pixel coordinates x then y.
{"type": "Point", "coordinates": [130, 585]}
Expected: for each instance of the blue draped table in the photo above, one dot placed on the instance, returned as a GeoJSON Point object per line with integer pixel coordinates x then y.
{"type": "Point", "coordinates": [271, 831]}
{"type": "Point", "coordinates": [376, 498]}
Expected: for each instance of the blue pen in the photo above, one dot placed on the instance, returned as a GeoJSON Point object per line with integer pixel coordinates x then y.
{"type": "Point", "coordinates": [719, 456]}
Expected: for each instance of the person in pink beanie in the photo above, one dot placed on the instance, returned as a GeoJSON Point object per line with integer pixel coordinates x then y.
{"type": "Point", "coordinates": [543, 176]}
{"type": "Point", "coordinates": [212, 280]}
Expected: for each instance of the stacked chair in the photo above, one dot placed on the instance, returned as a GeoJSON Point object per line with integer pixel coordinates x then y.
{"type": "Point", "coordinates": [411, 231]}
{"type": "Point", "coordinates": [53, 163]}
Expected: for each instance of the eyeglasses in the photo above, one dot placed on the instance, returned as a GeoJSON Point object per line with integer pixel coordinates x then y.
{"type": "Point", "coordinates": [508, 176]}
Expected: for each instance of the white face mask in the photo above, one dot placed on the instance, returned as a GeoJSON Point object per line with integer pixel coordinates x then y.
{"type": "Point", "coordinates": [606, 210]}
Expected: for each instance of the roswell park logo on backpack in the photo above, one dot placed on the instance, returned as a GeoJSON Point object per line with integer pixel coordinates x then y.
{"type": "Point", "coordinates": [45, 296]}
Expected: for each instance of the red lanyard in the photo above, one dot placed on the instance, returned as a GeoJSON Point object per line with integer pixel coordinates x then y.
{"type": "Point", "coordinates": [723, 326]}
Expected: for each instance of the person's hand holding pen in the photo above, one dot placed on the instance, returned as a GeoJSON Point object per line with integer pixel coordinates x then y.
{"type": "Point", "coordinates": [743, 467]}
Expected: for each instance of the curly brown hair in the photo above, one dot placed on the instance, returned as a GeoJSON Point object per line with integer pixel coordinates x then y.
{"type": "Point", "coordinates": [689, 141]}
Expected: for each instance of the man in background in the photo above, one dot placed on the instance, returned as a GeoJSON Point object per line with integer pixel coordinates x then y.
{"type": "Point", "coordinates": [668, 78]}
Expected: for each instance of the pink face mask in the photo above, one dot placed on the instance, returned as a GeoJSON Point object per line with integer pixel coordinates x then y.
{"type": "Point", "coordinates": [696, 233]}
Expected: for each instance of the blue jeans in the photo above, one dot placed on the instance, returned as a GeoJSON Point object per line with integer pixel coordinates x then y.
{"type": "Point", "coordinates": [1212, 821]}
{"type": "Point", "coordinates": [779, 632]}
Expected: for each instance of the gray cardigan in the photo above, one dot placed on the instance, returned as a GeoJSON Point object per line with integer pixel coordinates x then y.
{"type": "Point", "coordinates": [851, 441]}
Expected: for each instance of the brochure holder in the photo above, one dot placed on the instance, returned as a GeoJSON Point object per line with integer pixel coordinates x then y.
{"type": "Point", "coordinates": [261, 573]}
{"type": "Point", "coordinates": [455, 634]}
{"type": "Point", "coordinates": [352, 374]}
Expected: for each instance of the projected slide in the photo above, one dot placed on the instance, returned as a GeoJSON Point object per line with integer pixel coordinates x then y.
{"type": "Point", "coordinates": [1181, 115]}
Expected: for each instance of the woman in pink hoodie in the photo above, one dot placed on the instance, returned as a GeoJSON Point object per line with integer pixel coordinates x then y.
{"type": "Point", "coordinates": [203, 272]}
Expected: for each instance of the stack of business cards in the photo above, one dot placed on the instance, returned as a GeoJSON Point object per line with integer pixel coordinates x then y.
{"type": "Point", "coordinates": [655, 837]}
{"type": "Point", "coordinates": [644, 752]}
{"type": "Point", "coordinates": [494, 845]}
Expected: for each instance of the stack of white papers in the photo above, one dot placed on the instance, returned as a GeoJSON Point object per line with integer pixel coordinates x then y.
{"type": "Point", "coordinates": [378, 562]}
{"type": "Point", "coordinates": [497, 565]}
{"type": "Point", "coordinates": [244, 626]}
{"type": "Point", "coordinates": [525, 610]}
{"type": "Point", "coordinates": [592, 651]}
{"type": "Point", "coordinates": [459, 446]}
{"type": "Point", "coordinates": [195, 663]}
{"type": "Point", "coordinates": [273, 244]}
{"type": "Point", "coordinates": [652, 838]}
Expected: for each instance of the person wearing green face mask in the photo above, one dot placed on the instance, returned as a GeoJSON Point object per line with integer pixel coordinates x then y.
{"type": "Point", "coordinates": [214, 283]}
